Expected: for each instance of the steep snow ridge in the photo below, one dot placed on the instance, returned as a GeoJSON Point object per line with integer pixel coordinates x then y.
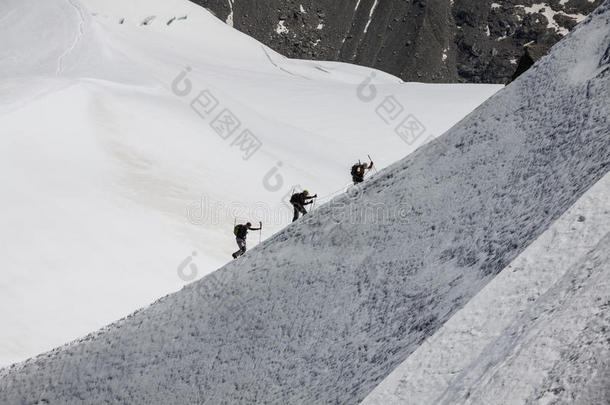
{"type": "Point", "coordinates": [105, 159]}
{"type": "Point", "coordinates": [563, 355]}
{"type": "Point", "coordinates": [324, 310]}
{"type": "Point", "coordinates": [545, 306]}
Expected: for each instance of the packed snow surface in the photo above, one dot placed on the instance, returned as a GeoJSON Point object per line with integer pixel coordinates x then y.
{"type": "Point", "coordinates": [324, 310]}
{"type": "Point", "coordinates": [117, 169]}
{"type": "Point", "coordinates": [537, 333]}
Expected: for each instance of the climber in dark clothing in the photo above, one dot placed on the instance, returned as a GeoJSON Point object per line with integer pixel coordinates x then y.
{"type": "Point", "coordinates": [241, 232]}
{"type": "Point", "coordinates": [299, 201]}
{"type": "Point", "coordinates": [358, 171]}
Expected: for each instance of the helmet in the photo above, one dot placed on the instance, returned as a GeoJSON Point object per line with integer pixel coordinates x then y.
{"type": "Point", "coordinates": [248, 224]}
{"type": "Point", "coordinates": [305, 192]}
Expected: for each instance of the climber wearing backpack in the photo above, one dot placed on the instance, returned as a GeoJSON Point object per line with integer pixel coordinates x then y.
{"type": "Point", "coordinates": [358, 171]}
{"type": "Point", "coordinates": [241, 232]}
{"type": "Point", "coordinates": [299, 201]}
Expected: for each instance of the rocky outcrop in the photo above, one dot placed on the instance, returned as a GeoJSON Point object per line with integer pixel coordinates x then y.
{"type": "Point", "coordinates": [420, 40]}
{"type": "Point", "coordinates": [531, 54]}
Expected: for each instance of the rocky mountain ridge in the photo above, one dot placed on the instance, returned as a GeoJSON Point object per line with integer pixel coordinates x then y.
{"type": "Point", "coordinates": [419, 40]}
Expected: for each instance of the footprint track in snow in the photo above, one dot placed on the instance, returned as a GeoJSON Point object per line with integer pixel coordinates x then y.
{"type": "Point", "coordinates": [81, 32]}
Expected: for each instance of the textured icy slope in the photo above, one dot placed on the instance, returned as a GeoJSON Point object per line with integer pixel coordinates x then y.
{"type": "Point", "coordinates": [324, 310]}
{"type": "Point", "coordinates": [101, 160]}
{"type": "Point", "coordinates": [537, 331]}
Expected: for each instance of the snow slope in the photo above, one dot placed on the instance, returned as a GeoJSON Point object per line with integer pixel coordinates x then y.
{"type": "Point", "coordinates": [324, 310]}
{"type": "Point", "coordinates": [537, 333]}
{"type": "Point", "coordinates": [113, 178]}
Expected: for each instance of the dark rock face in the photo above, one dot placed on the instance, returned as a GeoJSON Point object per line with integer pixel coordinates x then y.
{"type": "Point", "coordinates": [420, 40]}
{"type": "Point", "coordinates": [531, 54]}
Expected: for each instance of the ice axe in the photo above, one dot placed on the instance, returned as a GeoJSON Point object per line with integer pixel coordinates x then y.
{"type": "Point", "coordinates": [374, 167]}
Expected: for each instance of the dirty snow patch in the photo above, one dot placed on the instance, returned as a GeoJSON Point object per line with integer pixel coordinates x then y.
{"type": "Point", "coordinates": [281, 27]}
{"type": "Point", "coordinates": [549, 14]}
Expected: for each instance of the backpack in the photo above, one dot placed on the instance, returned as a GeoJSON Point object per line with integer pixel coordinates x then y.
{"type": "Point", "coordinates": [236, 229]}
{"type": "Point", "coordinates": [355, 169]}
{"type": "Point", "coordinates": [295, 198]}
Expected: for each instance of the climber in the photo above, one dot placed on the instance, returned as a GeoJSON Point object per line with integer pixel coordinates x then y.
{"type": "Point", "coordinates": [358, 171]}
{"type": "Point", "coordinates": [299, 201]}
{"type": "Point", "coordinates": [241, 231]}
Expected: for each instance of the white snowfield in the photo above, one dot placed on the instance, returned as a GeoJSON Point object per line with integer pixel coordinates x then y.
{"type": "Point", "coordinates": [117, 169]}
{"type": "Point", "coordinates": [324, 310]}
